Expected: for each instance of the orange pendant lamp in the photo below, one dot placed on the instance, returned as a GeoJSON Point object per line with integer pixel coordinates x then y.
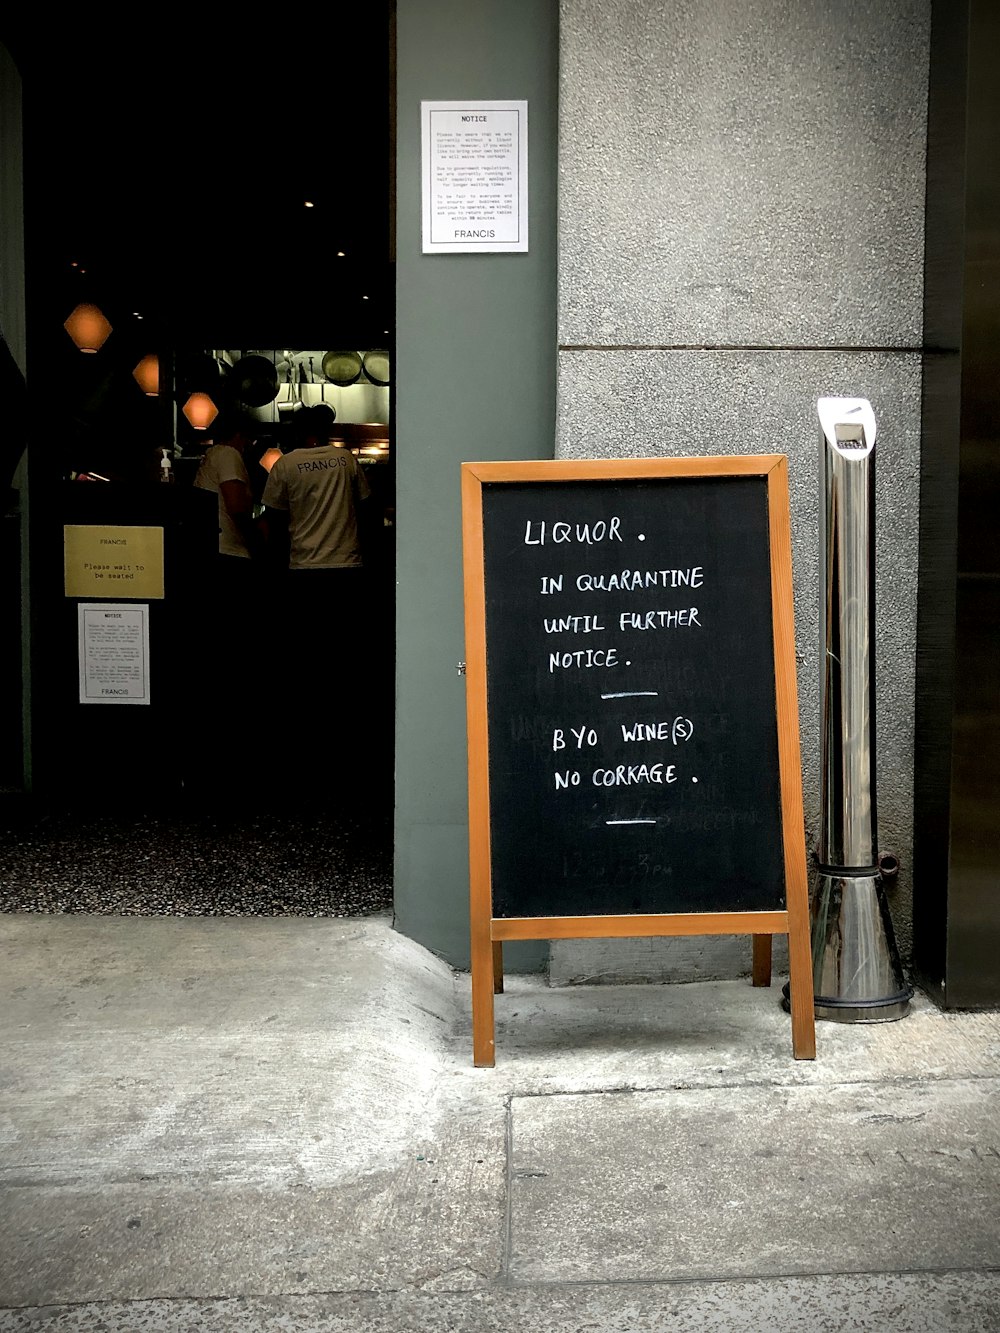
{"type": "Point", "coordinates": [88, 328]}
{"type": "Point", "coordinates": [200, 411]}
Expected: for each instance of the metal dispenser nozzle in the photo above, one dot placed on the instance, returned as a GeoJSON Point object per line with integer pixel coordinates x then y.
{"type": "Point", "coordinates": [857, 977]}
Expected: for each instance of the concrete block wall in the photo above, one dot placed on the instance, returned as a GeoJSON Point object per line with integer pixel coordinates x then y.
{"type": "Point", "coordinates": [741, 213]}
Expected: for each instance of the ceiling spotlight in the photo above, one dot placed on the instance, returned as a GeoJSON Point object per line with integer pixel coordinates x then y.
{"type": "Point", "coordinates": [340, 254]}
{"type": "Point", "coordinates": [309, 204]}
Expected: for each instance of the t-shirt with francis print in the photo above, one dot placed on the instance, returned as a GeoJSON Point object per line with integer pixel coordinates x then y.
{"type": "Point", "coordinates": [320, 489]}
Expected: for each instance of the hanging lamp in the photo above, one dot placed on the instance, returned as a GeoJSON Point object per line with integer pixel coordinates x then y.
{"type": "Point", "coordinates": [200, 411]}
{"type": "Point", "coordinates": [147, 375]}
{"type": "Point", "coordinates": [87, 327]}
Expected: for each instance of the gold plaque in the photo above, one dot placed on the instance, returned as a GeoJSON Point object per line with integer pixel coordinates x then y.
{"type": "Point", "coordinates": [113, 562]}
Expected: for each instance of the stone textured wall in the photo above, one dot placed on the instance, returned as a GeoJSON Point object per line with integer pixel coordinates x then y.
{"type": "Point", "coordinates": [741, 206]}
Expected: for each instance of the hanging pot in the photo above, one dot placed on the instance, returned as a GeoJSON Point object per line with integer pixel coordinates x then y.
{"type": "Point", "coordinates": [200, 373]}
{"type": "Point", "coordinates": [256, 380]}
{"type": "Point", "coordinates": [342, 368]}
{"type": "Point", "coordinates": [376, 365]}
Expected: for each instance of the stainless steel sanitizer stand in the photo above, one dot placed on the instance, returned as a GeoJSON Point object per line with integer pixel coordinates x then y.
{"type": "Point", "coordinates": [857, 977]}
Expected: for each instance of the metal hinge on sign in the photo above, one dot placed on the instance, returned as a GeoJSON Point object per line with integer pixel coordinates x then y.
{"type": "Point", "coordinates": [460, 668]}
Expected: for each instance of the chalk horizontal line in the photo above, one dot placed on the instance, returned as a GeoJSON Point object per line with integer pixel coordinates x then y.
{"type": "Point", "coordinates": [630, 821]}
{"type": "Point", "coordinates": [633, 694]}
{"type": "Point", "coordinates": [738, 347]}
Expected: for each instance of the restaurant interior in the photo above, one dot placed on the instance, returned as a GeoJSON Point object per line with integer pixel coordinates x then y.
{"type": "Point", "coordinates": [207, 228]}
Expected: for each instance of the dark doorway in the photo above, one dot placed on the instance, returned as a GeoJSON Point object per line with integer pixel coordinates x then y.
{"type": "Point", "coordinates": [216, 193]}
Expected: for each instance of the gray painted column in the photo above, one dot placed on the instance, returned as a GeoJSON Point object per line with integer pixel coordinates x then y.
{"type": "Point", "coordinates": [741, 213]}
{"type": "Point", "coordinates": [475, 379]}
{"type": "Point", "coordinates": [13, 459]}
{"type": "Point", "coordinates": [12, 303]}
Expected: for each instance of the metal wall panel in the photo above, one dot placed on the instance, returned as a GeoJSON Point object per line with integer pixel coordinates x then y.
{"type": "Point", "coordinates": [957, 781]}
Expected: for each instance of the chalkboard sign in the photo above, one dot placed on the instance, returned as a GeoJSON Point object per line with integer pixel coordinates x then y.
{"type": "Point", "coordinates": [633, 729]}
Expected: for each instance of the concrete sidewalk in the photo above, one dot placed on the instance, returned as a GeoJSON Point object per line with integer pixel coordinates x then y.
{"type": "Point", "coordinates": [275, 1124]}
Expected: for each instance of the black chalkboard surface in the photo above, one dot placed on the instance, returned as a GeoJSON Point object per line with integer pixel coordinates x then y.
{"type": "Point", "coordinates": [633, 745]}
{"type": "Point", "coordinates": [633, 728]}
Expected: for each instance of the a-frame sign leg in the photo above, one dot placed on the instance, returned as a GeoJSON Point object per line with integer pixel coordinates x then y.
{"type": "Point", "coordinates": [761, 973]}
{"type": "Point", "coordinates": [800, 992]}
{"type": "Point", "coordinates": [483, 981]}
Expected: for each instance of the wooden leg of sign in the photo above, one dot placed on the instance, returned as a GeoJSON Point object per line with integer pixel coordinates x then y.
{"type": "Point", "coordinates": [498, 967]}
{"type": "Point", "coordinates": [800, 994]}
{"type": "Point", "coordinates": [483, 974]}
{"type": "Point", "coordinates": [762, 960]}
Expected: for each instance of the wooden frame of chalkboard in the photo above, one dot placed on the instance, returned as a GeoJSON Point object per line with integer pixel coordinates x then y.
{"type": "Point", "coordinates": [632, 711]}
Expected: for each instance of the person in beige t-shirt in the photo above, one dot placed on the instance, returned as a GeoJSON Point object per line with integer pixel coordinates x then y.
{"type": "Point", "coordinates": [312, 499]}
{"type": "Point", "coordinates": [316, 490]}
{"type": "Point", "coordinates": [219, 744]}
{"type": "Point", "coordinates": [223, 471]}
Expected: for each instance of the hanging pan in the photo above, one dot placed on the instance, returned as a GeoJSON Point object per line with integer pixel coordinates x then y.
{"type": "Point", "coordinates": [201, 373]}
{"type": "Point", "coordinates": [377, 367]}
{"type": "Point", "coordinates": [342, 368]}
{"type": "Point", "coordinates": [256, 380]}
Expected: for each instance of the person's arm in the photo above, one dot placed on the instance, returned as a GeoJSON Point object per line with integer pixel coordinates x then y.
{"type": "Point", "coordinates": [369, 527]}
{"type": "Point", "coordinates": [368, 515]}
{"type": "Point", "coordinates": [239, 506]}
{"type": "Point", "coordinates": [274, 525]}
{"type": "Point", "coordinates": [275, 520]}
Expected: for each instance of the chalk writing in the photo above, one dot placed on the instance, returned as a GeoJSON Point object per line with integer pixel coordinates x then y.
{"type": "Point", "coordinates": [636, 658]}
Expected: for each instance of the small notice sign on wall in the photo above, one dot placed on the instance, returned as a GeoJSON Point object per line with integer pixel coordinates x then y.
{"type": "Point", "coordinates": [475, 176]}
{"type": "Point", "coordinates": [114, 653]}
{"type": "Point", "coordinates": [113, 561]}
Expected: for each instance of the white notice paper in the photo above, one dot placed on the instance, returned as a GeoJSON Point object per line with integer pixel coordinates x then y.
{"type": "Point", "coordinates": [475, 176]}
{"type": "Point", "coordinates": [114, 653]}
